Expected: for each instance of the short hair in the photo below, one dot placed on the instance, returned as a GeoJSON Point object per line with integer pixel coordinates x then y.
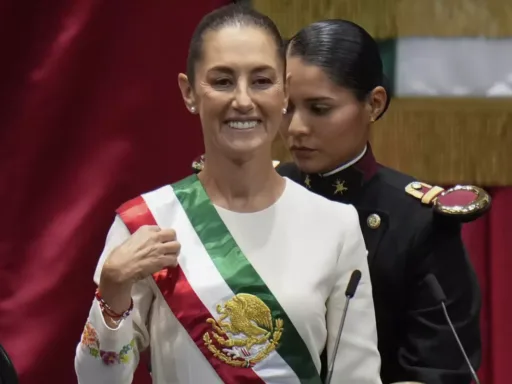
{"type": "Point", "coordinates": [345, 51]}
{"type": "Point", "coordinates": [227, 16]}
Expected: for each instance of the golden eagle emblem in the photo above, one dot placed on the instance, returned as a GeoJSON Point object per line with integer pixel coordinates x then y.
{"type": "Point", "coordinates": [244, 334]}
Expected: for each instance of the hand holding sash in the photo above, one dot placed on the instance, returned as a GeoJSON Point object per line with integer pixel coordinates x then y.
{"type": "Point", "coordinates": [149, 250]}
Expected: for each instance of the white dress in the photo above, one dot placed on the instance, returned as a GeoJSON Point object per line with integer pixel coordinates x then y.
{"type": "Point", "coordinates": [304, 248]}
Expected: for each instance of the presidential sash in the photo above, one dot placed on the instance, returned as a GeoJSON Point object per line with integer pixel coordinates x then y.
{"type": "Point", "coordinates": [217, 295]}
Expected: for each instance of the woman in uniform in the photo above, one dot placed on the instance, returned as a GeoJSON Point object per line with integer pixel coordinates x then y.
{"type": "Point", "coordinates": [337, 90]}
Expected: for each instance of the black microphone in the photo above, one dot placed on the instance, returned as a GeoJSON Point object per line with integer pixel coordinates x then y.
{"type": "Point", "coordinates": [8, 374]}
{"type": "Point", "coordinates": [439, 296]}
{"type": "Point", "coordinates": [349, 294]}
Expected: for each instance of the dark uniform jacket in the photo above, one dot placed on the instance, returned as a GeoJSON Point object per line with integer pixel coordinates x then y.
{"type": "Point", "coordinates": [407, 240]}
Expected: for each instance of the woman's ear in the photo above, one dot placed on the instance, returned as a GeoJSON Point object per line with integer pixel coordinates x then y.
{"type": "Point", "coordinates": [378, 99]}
{"type": "Point", "coordinates": [187, 92]}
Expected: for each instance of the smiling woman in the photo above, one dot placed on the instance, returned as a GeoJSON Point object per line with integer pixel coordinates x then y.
{"type": "Point", "coordinates": [236, 300]}
{"type": "Point", "coordinates": [238, 88]}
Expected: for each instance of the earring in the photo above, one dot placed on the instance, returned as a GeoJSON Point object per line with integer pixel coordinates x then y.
{"type": "Point", "coordinates": [285, 111]}
{"type": "Point", "coordinates": [372, 119]}
{"type": "Point", "coordinates": [193, 109]}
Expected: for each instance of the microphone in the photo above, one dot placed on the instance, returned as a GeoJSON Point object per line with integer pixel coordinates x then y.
{"type": "Point", "coordinates": [349, 294]}
{"type": "Point", "coordinates": [8, 374]}
{"type": "Point", "coordinates": [440, 297]}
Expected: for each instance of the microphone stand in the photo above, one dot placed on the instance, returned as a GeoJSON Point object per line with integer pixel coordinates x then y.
{"type": "Point", "coordinates": [349, 294]}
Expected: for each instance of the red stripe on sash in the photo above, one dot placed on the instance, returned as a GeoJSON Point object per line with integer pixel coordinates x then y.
{"type": "Point", "coordinates": [135, 214]}
{"type": "Point", "coordinates": [182, 299]}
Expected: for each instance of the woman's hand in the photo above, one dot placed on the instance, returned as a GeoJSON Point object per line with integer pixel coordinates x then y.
{"type": "Point", "coordinates": [149, 250]}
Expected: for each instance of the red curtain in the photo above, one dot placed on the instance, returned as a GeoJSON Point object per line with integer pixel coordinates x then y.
{"type": "Point", "coordinates": [90, 115]}
{"type": "Point", "coordinates": [489, 241]}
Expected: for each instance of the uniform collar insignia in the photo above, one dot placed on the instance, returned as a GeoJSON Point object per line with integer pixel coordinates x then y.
{"type": "Point", "coordinates": [345, 184]}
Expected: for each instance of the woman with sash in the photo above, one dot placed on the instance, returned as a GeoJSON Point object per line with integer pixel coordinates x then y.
{"type": "Point", "coordinates": [411, 229]}
{"type": "Point", "coordinates": [234, 275]}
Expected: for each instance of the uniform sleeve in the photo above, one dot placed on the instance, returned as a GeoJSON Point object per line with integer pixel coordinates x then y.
{"type": "Point", "coordinates": [429, 352]}
{"type": "Point", "coordinates": [357, 357]}
{"type": "Point", "coordinates": [110, 356]}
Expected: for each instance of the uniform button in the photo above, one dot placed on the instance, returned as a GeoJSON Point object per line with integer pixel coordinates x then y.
{"type": "Point", "coordinates": [373, 221]}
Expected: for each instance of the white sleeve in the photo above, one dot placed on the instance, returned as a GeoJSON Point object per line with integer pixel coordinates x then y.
{"type": "Point", "coordinates": [357, 359]}
{"type": "Point", "coordinates": [110, 356]}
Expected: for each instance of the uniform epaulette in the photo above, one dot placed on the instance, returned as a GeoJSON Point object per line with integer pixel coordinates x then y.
{"type": "Point", "coordinates": [462, 202]}
{"type": "Point", "coordinates": [198, 164]}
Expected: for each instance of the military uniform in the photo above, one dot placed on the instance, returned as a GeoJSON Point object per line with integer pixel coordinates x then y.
{"type": "Point", "coordinates": [412, 230]}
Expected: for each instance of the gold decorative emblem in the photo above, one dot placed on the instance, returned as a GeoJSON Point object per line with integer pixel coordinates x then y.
{"type": "Point", "coordinates": [466, 202]}
{"type": "Point", "coordinates": [340, 187]}
{"type": "Point", "coordinates": [307, 181]}
{"type": "Point", "coordinates": [373, 221]}
{"type": "Point", "coordinates": [481, 201]}
{"type": "Point", "coordinates": [244, 334]}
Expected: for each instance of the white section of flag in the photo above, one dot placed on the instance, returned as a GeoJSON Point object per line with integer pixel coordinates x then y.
{"type": "Point", "coordinates": [462, 67]}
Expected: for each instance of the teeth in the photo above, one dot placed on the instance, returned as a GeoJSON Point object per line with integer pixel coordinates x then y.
{"type": "Point", "coordinates": [243, 124]}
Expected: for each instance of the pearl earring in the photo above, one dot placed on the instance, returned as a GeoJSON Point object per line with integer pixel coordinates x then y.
{"type": "Point", "coordinates": [193, 109]}
{"type": "Point", "coordinates": [285, 111]}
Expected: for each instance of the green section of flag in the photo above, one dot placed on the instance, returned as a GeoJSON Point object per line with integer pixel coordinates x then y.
{"type": "Point", "coordinates": [388, 53]}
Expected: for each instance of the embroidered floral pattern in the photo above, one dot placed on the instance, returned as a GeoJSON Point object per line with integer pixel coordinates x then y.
{"type": "Point", "coordinates": [91, 341]}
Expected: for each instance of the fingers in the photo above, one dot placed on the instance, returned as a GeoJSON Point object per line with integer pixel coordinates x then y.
{"type": "Point", "coordinates": [157, 264]}
{"type": "Point", "coordinates": [149, 250]}
{"type": "Point", "coordinates": [166, 235]}
{"type": "Point", "coordinates": [169, 248]}
{"type": "Point", "coordinates": [148, 228]}
{"type": "Point", "coordinates": [168, 261]}
{"type": "Point", "coordinates": [162, 235]}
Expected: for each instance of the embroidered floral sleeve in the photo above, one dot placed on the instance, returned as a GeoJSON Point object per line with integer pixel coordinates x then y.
{"type": "Point", "coordinates": [110, 356]}
{"type": "Point", "coordinates": [106, 355]}
{"type": "Point", "coordinates": [91, 343]}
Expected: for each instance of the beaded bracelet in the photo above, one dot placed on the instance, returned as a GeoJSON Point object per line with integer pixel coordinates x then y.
{"type": "Point", "coordinates": [105, 308]}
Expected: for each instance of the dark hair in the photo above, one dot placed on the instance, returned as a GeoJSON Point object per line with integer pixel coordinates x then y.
{"type": "Point", "coordinates": [227, 16]}
{"type": "Point", "coordinates": [345, 51]}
